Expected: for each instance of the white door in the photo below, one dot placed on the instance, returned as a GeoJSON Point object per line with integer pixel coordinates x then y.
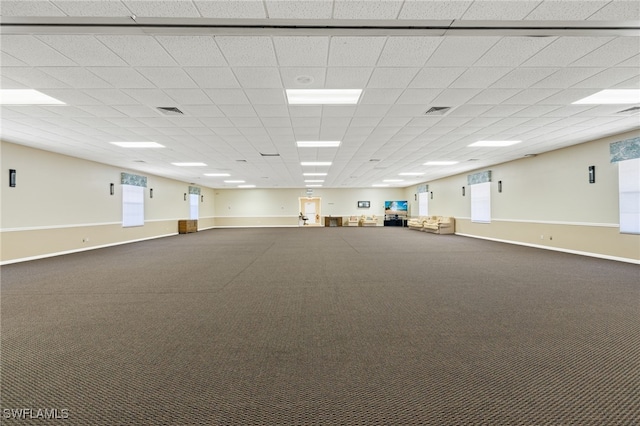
{"type": "Point", "coordinates": [310, 212]}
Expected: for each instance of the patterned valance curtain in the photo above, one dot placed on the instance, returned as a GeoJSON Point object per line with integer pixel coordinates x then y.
{"type": "Point", "coordinates": [423, 188]}
{"type": "Point", "coordinates": [480, 177]}
{"type": "Point", "coordinates": [133, 180]}
{"type": "Point", "coordinates": [194, 190]}
{"type": "Point", "coordinates": [628, 149]}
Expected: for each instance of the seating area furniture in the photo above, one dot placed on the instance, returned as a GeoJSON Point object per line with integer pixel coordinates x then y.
{"type": "Point", "coordinates": [333, 221]}
{"type": "Point", "coordinates": [187, 226]}
{"type": "Point", "coordinates": [351, 221]}
{"type": "Point", "coordinates": [368, 220]}
{"type": "Point", "coordinates": [434, 224]}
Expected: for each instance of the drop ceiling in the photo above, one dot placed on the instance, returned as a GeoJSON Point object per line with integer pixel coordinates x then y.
{"type": "Point", "coordinates": [508, 70]}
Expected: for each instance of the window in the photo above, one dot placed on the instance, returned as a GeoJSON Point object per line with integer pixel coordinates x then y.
{"type": "Point", "coordinates": [423, 204]}
{"type": "Point", "coordinates": [481, 202]}
{"type": "Point", "coordinates": [629, 189]}
{"type": "Point", "coordinates": [193, 206]}
{"type": "Point", "coordinates": [132, 205]}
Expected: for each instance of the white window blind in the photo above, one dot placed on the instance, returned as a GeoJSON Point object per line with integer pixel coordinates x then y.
{"type": "Point", "coordinates": [629, 189]}
{"type": "Point", "coordinates": [193, 206]}
{"type": "Point", "coordinates": [132, 205]}
{"type": "Point", "coordinates": [481, 202]}
{"type": "Point", "coordinates": [423, 204]}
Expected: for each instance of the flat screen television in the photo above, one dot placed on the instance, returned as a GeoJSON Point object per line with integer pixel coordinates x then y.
{"type": "Point", "coordinates": [399, 208]}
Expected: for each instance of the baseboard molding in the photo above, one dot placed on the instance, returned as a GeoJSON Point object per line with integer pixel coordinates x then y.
{"type": "Point", "coordinates": [578, 252]}
{"type": "Point", "coordinates": [60, 253]}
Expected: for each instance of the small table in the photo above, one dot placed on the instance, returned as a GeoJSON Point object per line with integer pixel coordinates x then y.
{"type": "Point", "coordinates": [187, 226]}
{"type": "Point", "coordinates": [332, 221]}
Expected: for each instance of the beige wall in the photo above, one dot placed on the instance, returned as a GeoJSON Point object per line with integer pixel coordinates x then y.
{"type": "Point", "coordinates": [62, 204]}
{"type": "Point", "coordinates": [546, 201]}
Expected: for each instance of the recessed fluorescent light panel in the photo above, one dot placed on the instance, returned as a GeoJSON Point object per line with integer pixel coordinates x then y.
{"type": "Point", "coordinates": [234, 181]}
{"type": "Point", "coordinates": [318, 144]}
{"type": "Point", "coordinates": [440, 163]}
{"type": "Point", "coordinates": [315, 163]}
{"type": "Point", "coordinates": [393, 180]}
{"type": "Point", "coordinates": [612, 96]}
{"type": "Point", "coordinates": [314, 174]}
{"type": "Point", "coordinates": [26, 97]}
{"type": "Point", "coordinates": [410, 174]}
{"type": "Point", "coordinates": [495, 143]}
{"type": "Point", "coordinates": [313, 181]}
{"type": "Point", "coordinates": [314, 186]}
{"type": "Point", "coordinates": [246, 186]}
{"type": "Point", "coordinates": [217, 174]}
{"type": "Point", "coordinates": [189, 164]}
{"type": "Point", "coordinates": [380, 184]}
{"type": "Point", "coordinates": [138, 144]}
{"type": "Point", "coordinates": [323, 96]}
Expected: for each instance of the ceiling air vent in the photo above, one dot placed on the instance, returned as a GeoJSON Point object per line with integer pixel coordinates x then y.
{"type": "Point", "coordinates": [438, 111]}
{"type": "Point", "coordinates": [629, 111]}
{"type": "Point", "coordinates": [169, 111]}
{"type": "Point", "coordinates": [270, 155]}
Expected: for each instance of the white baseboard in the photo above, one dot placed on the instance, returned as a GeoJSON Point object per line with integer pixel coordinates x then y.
{"type": "Point", "coordinates": [582, 253]}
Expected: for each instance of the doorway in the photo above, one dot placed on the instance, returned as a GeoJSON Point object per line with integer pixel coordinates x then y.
{"type": "Point", "coordinates": [310, 208]}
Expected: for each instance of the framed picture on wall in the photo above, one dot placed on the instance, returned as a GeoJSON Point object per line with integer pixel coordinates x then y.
{"type": "Point", "coordinates": [364, 204]}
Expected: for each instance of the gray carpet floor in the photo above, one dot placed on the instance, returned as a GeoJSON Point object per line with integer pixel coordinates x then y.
{"type": "Point", "coordinates": [323, 326]}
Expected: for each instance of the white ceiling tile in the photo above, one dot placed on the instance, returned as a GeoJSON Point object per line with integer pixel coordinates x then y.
{"type": "Point", "coordinates": [371, 110]}
{"type": "Point", "coordinates": [241, 9]}
{"type": "Point", "coordinates": [512, 51]}
{"type": "Point", "coordinates": [391, 77]}
{"type": "Point", "coordinates": [565, 97]}
{"type": "Point", "coordinates": [9, 61]}
{"type": "Point", "coordinates": [159, 8]}
{"type": "Point", "coordinates": [479, 77]}
{"type": "Point", "coordinates": [72, 97]}
{"type": "Point", "coordinates": [238, 110]}
{"type": "Point", "coordinates": [631, 62]}
{"type": "Point", "coordinates": [460, 51]}
{"type": "Point", "coordinates": [618, 10]}
{"type": "Point", "coordinates": [567, 77]}
{"type": "Point", "coordinates": [499, 10]}
{"type": "Point", "coordinates": [355, 51]}
{"type": "Point", "coordinates": [308, 9]}
{"type": "Point", "coordinates": [282, 122]}
{"type": "Point", "coordinates": [407, 51]}
{"type": "Point", "coordinates": [418, 96]}
{"type": "Point", "coordinates": [111, 96]}
{"type": "Point", "coordinates": [611, 53]}
{"type": "Point", "coordinates": [569, 110]}
{"type": "Point", "coordinates": [32, 78]}
{"type": "Point", "coordinates": [564, 51]}
{"type": "Point", "coordinates": [305, 110]}
{"type": "Point", "coordinates": [151, 97]}
{"type": "Point", "coordinates": [338, 110]}
{"type": "Point", "coordinates": [32, 51]}
{"type": "Point", "coordinates": [302, 51]}
{"type": "Point", "coordinates": [535, 111]}
{"type": "Point", "coordinates": [167, 77]}
{"type": "Point", "coordinates": [92, 8]}
{"type": "Point", "coordinates": [303, 77]}
{"type": "Point", "coordinates": [406, 110]}
{"type": "Point", "coordinates": [227, 96]}
{"type": "Point", "coordinates": [453, 97]}
{"type": "Point", "coordinates": [77, 77]}
{"type": "Point", "coordinates": [417, 9]}
{"type": "Point", "coordinates": [137, 110]}
{"type": "Point", "coordinates": [213, 78]}
{"type": "Point", "coordinates": [201, 110]}
{"type": "Point", "coordinates": [565, 10]}
{"type": "Point", "coordinates": [522, 78]}
{"type": "Point", "coordinates": [369, 9]}
{"type": "Point", "coordinates": [258, 77]}
{"type": "Point", "coordinates": [83, 49]}
{"type": "Point", "coordinates": [632, 83]}
{"type": "Point", "coordinates": [216, 122]}
{"type": "Point", "coordinates": [433, 77]}
{"type": "Point", "coordinates": [379, 96]}
{"type": "Point", "coordinates": [530, 96]}
{"type": "Point", "coordinates": [503, 110]}
{"type": "Point", "coordinates": [397, 122]}
{"type": "Point", "coordinates": [469, 110]}
{"type": "Point", "coordinates": [196, 51]}
{"type": "Point", "coordinates": [124, 122]}
{"type": "Point", "coordinates": [266, 96]}
{"type": "Point", "coordinates": [493, 96]}
{"type": "Point", "coordinates": [30, 8]}
{"type": "Point", "coordinates": [347, 78]}
{"type": "Point", "coordinates": [121, 77]}
{"type": "Point", "coordinates": [188, 96]}
{"type": "Point", "coordinates": [368, 122]}
{"type": "Point", "coordinates": [247, 51]}
{"type": "Point", "coordinates": [138, 50]}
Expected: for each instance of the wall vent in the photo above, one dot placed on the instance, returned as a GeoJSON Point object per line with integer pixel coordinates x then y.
{"type": "Point", "coordinates": [169, 111]}
{"type": "Point", "coordinates": [629, 111]}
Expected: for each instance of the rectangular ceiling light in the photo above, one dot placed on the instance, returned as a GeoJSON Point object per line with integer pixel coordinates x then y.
{"type": "Point", "coordinates": [314, 186]}
{"type": "Point", "coordinates": [314, 174]}
{"type": "Point", "coordinates": [246, 186]}
{"type": "Point", "coordinates": [318, 144]}
{"type": "Point", "coordinates": [234, 181]}
{"type": "Point", "coordinates": [217, 174]}
{"type": "Point", "coordinates": [440, 163]}
{"type": "Point", "coordinates": [612, 96]}
{"type": "Point", "coordinates": [323, 96]}
{"type": "Point", "coordinates": [26, 97]}
{"type": "Point", "coordinates": [314, 180]}
{"type": "Point", "coordinates": [315, 163]}
{"type": "Point", "coordinates": [189, 164]}
{"type": "Point", "coordinates": [138, 144]}
{"type": "Point", "coordinates": [494, 143]}
{"type": "Point", "coordinates": [393, 180]}
{"type": "Point", "coordinates": [410, 174]}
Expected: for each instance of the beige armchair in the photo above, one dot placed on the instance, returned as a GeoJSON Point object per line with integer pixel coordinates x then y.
{"type": "Point", "coordinates": [352, 221]}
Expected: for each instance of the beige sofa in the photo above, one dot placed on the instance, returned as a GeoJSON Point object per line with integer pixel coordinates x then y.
{"type": "Point", "coordinates": [434, 224]}
{"type": "Point", "coordinates": [368, 220]}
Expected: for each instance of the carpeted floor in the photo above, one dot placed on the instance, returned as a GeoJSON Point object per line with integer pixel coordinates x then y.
{"type": "Point", "coordinates": [324, 326]}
